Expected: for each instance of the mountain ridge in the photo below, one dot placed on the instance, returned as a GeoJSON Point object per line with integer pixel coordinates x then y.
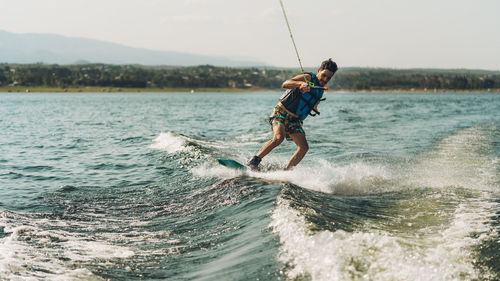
{"type": "Point", "coordinates": [58, 49]}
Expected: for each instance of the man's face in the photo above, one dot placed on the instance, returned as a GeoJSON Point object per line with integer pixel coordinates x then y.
{"type": "Point", "coordinates": [324, 76]}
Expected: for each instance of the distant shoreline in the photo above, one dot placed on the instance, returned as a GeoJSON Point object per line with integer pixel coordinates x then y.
{"type": "Point", "coordinates": [94, 89]}
{"type": "Point", "coordinates": [207, 78]}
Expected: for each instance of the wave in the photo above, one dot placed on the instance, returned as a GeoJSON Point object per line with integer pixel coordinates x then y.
{"type": "Point", "coordinates": [171, 142]}
{"type": "Point", "coordinates": [174, 143]}
{"type": "Point", "coordinates": [464, 159]}
{"type": "Point", "coordinates": [441, 213]}
{"type": "Point", "coordinates": [351, 179]}
{"type": "Point", "coordinates": [418, 219]}
{"type": "Point", "coordinates": [40, 247]}
{"type": "Point", "coordinates": [375, 254]}
{"type": "Point", "coordinates": [31, 250]}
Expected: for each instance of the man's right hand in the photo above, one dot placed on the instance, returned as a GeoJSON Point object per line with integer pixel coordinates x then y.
{"type": "Point", "coordinates": [304, 87]}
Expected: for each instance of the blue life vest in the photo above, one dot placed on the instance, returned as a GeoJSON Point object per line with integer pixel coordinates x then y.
{"type": "Point", "coordinates": [309, 99]}
{"type": "Point", "coordinates": [300, 103]}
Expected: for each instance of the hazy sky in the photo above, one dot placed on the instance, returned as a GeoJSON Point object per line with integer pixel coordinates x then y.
{"type": "Point", "coordinates": [373, 33]}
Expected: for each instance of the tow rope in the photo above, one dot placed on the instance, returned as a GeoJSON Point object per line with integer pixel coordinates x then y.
{"type": "Point", "coordinates": [311, 84]}
{"type": "Point", "coordinates": [291, 36]}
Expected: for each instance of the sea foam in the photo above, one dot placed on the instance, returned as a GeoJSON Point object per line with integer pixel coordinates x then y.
{"type": "Point", "coordinates": [33, 250]}
{"type": "Point", "coordinates": [376, 254]}
{"type": "Point", "coordinates": [459, 167]}
{"type": "Point", "coordinates": [351, 179]}
{"type": "Point", "coordinates": [170, 142]}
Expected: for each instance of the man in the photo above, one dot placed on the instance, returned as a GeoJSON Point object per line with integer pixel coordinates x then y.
{"type": "Point", "coordinates": [300, 100]}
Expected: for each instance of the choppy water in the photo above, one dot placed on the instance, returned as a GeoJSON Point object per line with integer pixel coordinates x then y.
{"type": "Point", "coordinates": [126, 187]}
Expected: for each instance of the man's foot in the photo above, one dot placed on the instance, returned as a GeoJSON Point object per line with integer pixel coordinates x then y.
{"type": "Point", "coordinates": [254, 163]}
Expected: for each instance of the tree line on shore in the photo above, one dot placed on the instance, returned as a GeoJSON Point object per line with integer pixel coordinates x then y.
{"type": "Point", "coordinates": [207, 76]}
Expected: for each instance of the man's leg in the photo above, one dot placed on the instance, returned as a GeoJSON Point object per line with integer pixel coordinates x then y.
{"type": "Point", "coordinates": [278, 137]}
{"type": "Point", "coordinates": [302, 148]}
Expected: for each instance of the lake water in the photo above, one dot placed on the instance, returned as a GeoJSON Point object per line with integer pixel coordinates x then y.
{"type": "Point", "coordinates": [124, 186]}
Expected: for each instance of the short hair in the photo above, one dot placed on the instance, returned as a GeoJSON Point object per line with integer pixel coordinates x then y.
{"type": "Point", "coordinates": [329, 65]}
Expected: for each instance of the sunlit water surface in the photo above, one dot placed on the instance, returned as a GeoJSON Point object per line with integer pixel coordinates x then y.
{"type": "Point", "coordinates": [126, 187]}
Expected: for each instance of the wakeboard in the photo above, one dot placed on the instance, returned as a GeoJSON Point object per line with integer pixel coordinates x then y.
{"type": "Point", "coordinates": [230, 163]}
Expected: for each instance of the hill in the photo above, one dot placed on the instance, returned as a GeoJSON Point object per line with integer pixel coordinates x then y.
{"type": "Point", "coordinates": [56, 49]}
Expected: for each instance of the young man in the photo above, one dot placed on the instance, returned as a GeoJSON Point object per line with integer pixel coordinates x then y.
{"type": "Point", "coordinates": [300, 100]}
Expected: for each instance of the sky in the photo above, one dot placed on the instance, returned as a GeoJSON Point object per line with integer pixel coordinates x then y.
{"type": "Point", "coordinates": [356, 33]}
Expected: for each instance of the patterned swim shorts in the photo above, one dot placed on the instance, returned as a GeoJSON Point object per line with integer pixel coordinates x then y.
{"type": "Point", "coordinates": [281, 117]}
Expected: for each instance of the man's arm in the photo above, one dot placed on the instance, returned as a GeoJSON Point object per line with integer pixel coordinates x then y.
{"type": "Point", "coordinates": [298, 81]}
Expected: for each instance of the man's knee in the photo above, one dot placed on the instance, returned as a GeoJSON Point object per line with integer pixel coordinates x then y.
{"type": "Point", "coordinates": [303, 148]}
{"type": "Point", "coordinates": [278, 139]}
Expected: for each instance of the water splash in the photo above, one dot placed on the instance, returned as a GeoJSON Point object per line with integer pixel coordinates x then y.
{"type": "Point", "coordinates": [459, 176]}
{"type": "Point", "coordinates": [170, 142]}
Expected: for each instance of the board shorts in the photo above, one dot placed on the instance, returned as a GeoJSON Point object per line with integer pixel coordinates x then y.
{"type": "Point", "coordinates": [293, 125]}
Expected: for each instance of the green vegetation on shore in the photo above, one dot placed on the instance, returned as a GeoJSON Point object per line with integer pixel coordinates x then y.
{"type": "Point", "coordinates": [135, 78]}
{"type": "Point", "coordinates": [96, 89]}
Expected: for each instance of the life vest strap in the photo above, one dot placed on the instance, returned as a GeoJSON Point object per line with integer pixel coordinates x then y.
{"type": "Point", "coordinates": [311, 107]}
